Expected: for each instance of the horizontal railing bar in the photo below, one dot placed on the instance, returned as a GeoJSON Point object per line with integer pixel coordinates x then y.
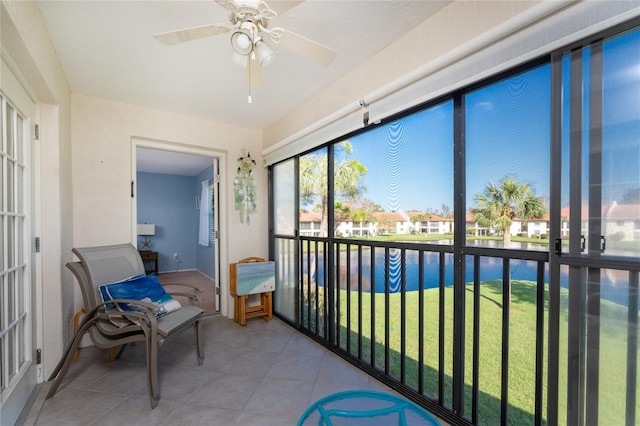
{"type": "Point", "coordinates": [506, 253]}
{"type": "Point", "coordinates": [603, 262]}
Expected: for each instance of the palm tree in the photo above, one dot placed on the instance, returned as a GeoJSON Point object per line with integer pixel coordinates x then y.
{"type": "Point", "coordinates": [499, 204]}
{"type": "Point", "coordinates": [347, 180]}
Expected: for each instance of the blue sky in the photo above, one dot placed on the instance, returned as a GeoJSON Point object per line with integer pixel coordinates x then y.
{"type": "Point", "coordinates": [406, 157]}
{"type": "Point", "coordinates": [410, 161]}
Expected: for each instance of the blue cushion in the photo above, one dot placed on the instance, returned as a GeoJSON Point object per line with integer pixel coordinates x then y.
{"type": "Point", "coordinates": [140, 287]}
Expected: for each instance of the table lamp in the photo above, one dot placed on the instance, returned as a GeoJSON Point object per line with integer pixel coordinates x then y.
{"type": "Point", "coordinates": [146, 229]}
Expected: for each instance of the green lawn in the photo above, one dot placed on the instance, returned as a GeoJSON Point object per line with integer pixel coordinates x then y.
{"type": "Point", "coordinates": [521, 355]}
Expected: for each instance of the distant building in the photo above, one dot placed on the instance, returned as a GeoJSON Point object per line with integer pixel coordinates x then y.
{"type": "Point", "coordinates": [433, 225]}
{"type": "Point", "coordinates": [310, 224]}
{"type": "Point", "coordinates": [394, 223]}
{"type": "Point", "coordinates": [622, 222]}
{"type": "Point", "coordinates": [619, 221]}
{"type": "Point", "coordinates": [356, 229]}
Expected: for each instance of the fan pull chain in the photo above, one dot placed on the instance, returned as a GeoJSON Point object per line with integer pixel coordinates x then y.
{"type": "Point", "coordinates": [251, 57]}
{"type": "Point", "coordinates": [249, 101]}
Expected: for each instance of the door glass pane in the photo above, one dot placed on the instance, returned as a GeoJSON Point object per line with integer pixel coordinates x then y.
{"type": "Point", "coordinates": [10, 189]}
{"type": "Point", "coordinates": [507, 162]}
{"type": "Point", "coordinates": [285, 295]}
{"type": "Point", "coordinates": [19, 138]}
{"type": "Point", "coordinates": [618, 344]}
{"type": "Point", "coordinates": [3, 220]}
{"type": "Point", "coordinates": [11, 238]}
{"type": "Point", "coordinates": [2, 156]}
{"type": "Point", "coordinates": [11, 297]}
{"type": "Point", "coordinates": [621, 145]}
{"type": "Point", "coordinates": [20, 188]}
{"type": "Point", "coordinates": [313, 194]}
{"type": "Point", "coordinates": [563, 353]}
{"type": "Point", "coordinates": [21, 240]}
{"type": "Point", "coordinates": [3, 303]}
{"type": "Point", "coordinates": [575, 150]}
{"type": "Point", "coordinates": [10, 130]}
{"type": "Point", "coordinates": [284, 198]}
{"type": "Point", "coordinates": [396, 181]}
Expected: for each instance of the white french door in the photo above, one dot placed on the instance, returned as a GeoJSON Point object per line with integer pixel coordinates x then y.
{"type": "Point", "coordinates": [18, 373]}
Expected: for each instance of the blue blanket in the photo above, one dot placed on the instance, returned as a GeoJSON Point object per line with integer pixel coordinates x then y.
{"type": "Point", "coordinates": [142, 287]}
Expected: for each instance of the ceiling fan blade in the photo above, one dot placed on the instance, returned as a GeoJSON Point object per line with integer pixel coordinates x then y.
{"type": "Point", "coordinates": [301, 45]}
{"type": "Point", "coordinates": [253, 76]}
{"type": "Point", "coordinates": [230, 5]}
{"type": "Point", "coordinates": [188, 34]}
{"type": "Point", "coordinates": [282, 6]}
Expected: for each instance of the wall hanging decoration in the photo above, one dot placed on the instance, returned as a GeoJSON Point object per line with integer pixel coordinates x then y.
{"type": "Point", "coordinates": [245, 187]}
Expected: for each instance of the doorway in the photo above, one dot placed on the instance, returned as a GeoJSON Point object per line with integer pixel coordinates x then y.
{"type": "Point", "coordinates": [176, 216]}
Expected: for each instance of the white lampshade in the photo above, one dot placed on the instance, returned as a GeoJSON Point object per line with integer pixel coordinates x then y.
{"type": "Point", "coordinates": [239, 59]}
{"type": "Point", "coordinates": [264, 54]}
{"type": "Point", "coordinates": [242, 41]}
{"type": "Point", "coordinates": [146, 229]}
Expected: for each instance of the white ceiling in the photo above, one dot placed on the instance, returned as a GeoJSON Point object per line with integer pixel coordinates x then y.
{"type": "Point", "coordinates": [107, 50]}
{"type": "Point", "coordinates": [173, 163]}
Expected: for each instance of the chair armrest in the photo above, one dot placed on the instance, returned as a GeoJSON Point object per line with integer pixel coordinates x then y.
{"type": "Point", "coordinates": [148, 316]}
{"type": "Point", "coordinates": [148, 306]}
{"type": "Point", "coordinates": [191, 286]}
{"type": "Point", "coordinates": [191, 292]}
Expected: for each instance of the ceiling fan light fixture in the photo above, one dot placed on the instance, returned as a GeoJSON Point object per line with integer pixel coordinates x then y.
{"type": "Point", "coordinates": [264, 54]}
{"type": "Point", "coordinates": [238, 59]}
{"type": "Point", "coordinates": [242, 41]}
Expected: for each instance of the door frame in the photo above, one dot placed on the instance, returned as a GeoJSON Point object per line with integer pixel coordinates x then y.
{"type": "Point", "coordinates": [222, 250]}
{"type": "Point", "coordinates": [21, 97]}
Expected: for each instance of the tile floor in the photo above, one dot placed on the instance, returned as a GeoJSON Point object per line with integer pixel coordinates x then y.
{"type": "Point", "coordinates": [266, 374]}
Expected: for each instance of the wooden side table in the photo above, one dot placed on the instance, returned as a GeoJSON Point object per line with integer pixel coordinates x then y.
{"type": "Point", "coordinates": [242, 312]}
{"type": "Point", "coordinates": [149, 256]}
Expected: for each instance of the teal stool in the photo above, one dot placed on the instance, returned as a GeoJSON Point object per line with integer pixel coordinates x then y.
{"type": "Point", "coordinates": [365, 407]}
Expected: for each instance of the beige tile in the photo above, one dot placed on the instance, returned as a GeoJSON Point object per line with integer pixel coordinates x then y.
{"type": "Point", "coordinates": [268, 341]}
{"type": "Point", "coordinates": [75, 407]}
{"type": "Point", "coordinates": [123, 379]}
{"type": "Point", "coordinates": [137, 411]}
{"type": "Point", "coordinates": [251, 419]}
{"type": "Point", "coordinates": [248, 362]}
{"type": "Point", "coordinates": [194, 415]}
{"type": "Point", "coordinates": [296, 366]}
{"type": "Point", "coordinates": [264, 374]}
{"type": "Point", "coordinates": [235, 337]}
{"type": "Point", "coordinates": [280, 397]}
{"type": "Point", "coordinates": [334, 369]}
{"type": "Point", "coordinates": [324, 388]}
{"type": "Point", "coordinates": [178, 384]}
{"type": "Point", "coordinates": [301, 344]}
{"type": "Point", "coordinates": [226, 391]}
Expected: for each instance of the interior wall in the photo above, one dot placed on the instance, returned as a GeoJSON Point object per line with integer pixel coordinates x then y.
{"type": "Point", "coordinates": [102, 135]}
{"type": "Point", "coordinates": [167, 201]}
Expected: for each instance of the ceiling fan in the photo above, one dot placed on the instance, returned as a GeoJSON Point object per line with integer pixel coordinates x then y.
{"type": "Point", "coordinates": [249, 26]}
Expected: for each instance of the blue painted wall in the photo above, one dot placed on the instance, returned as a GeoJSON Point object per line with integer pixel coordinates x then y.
{"type": "Point", "coordinates": [168, 201]}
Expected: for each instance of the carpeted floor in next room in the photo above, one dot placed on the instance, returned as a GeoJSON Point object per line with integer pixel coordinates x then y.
{"type": "Point", "coordinates": [197, 279]}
